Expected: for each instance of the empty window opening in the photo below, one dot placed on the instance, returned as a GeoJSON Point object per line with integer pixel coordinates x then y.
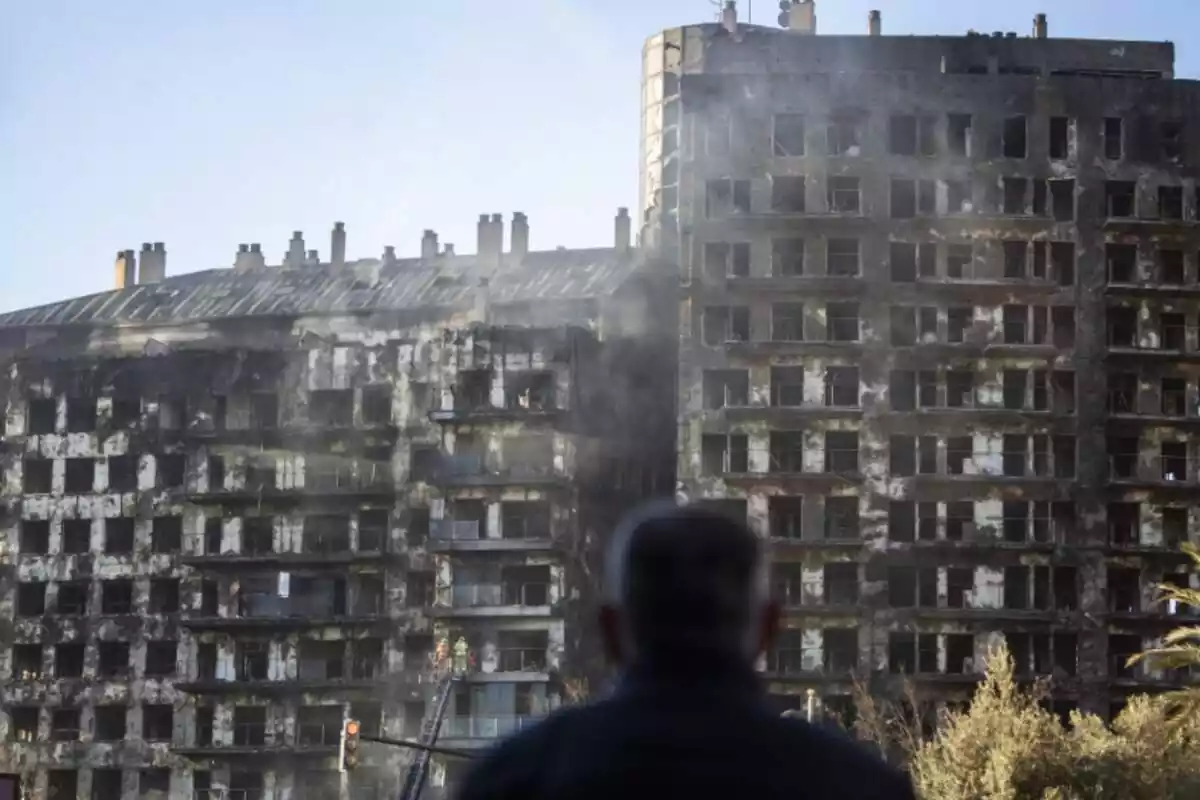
{"type": "Point", "coordinates": [787, 451]}
{"type": "Point", "coordinates": [842, 135]}
{"type": "Point", "coordinates": [34, 537]}
{"type": "Point", "coordinates": [249, 726]}
{"type": "Point", "coordinates": [724, 260]}
{"type": "Point", "coordinates": [841, 387]}
{"type": "Point", "coordinates": [110, 725]}
{"type": "Point", "coordinates": [960, 653]}
{"type": "Point", "coordinates": [1062, 262]}
{"type": "Point", "coordinates": [902, 135]}
{"type": "Point", "coordinates": [164, 595]}
{"type": "Point", "coordinates": [68, 660]}
{"type": "Point", "coordinates": [1171, 139]}
{"type": "Point", "coordinates": [122, 473]}
{"type": "Point", "coordinates": [61, 784]}
{"type": "Point", "coordinates": [840, 650]}
{"type": "Point", "coordinates": [958, 323]}
{"type": "Point", "coordinates": [1119, 198]}
{"type": "Point", "coordinates": [1174, 397]}
{"type": "Point", "coordinates": [787, 194]}
{"type": "Point", "coordinates": [1122, 327]}
{"type": "Point", "coordinates": [326, 533]}
{"type": "Point", "coordinates": [927, 389]}
{"type": "Point", "coordinates": [903, 325]}
{"type": "Point", "coordinates": [1175, 528]}
{"type": "Point", "coordinates": [1015, 259]}
{"type": "Point", "coordinates": [1170, 202]}
{"type": "Point", "coordinates": [43, 415]}
{"type": "Point", "coordinates": [725, 196]}
{"type": "Point", "coordinates": [959, 261]}
{"type": "Point", "coordinates": [841, 451]}
{"type": "Point", "coordinates": [927, 521]}
{"type": "Point", "coordinates": [377, 405]}
{"type": "Point", "coordinates": [960, 583]}
{"type": "Point", "coordinates": [960, 388]}
{"type": "Point", "coordinates": [720, 453]}
{"type": "Point", "coordinates": [1015, 383]}
{"type": "Point", "coordinates": [842, 322]}
{"type": "Point", "coordinates": [726, 388]}
{"type": "Point", "coordinates": [73, 598]}
{"type": "Point", "coordinates": [1124, 523]}
{"type": "Point", "coordinates": [1015, 192]}
{"type": "Point", "coordinates": [1013, 137]}
{"type": "Point", "coordinates": [116, 597]}
{"type": "Point", "coordinates": [841, 584]}
{"type": "Point", "coordinates": [264, 410]}
{"type": "Point", "coordinates": [26, 662]}
{"type": "Point", "coordinates": [332, 408]}
{"type": "Point", "coordinates": [1173, 331]}
{"type": "Point", "coordinates": [958, 197]}
{"type": "Point", "coordinates": [958, 134]}
{"type": "Point", "coordinates": [787, 322]}
{"type": "Point", "coordinates": [160, 658]}
{"type": "Point", "coordinates": [903, 261]}
{"type": "Point", "coordinates": [118, 535]}
{"type": "Point", "coordinates": [1174, 461]}
{"type": "Point", "coordinates": [1062, 199]}
{"type": "Point", "coordinates": [902, 390]}
{"type": "Point", "coordinates": [787, 257]}
{"type": "Point", "coordinates": [1039, 198]}
{"type": "Point", "coordinates": [902, 521]}
{"type": "Point", "coordinates": [841, 518]}
{"type": "Point", "coordinates": [789, 134]}
{"type": "Point", "coordinates": [1114, 147]}
{"type": "Point", "coordinates": [844, 195]}
{"type": "Point", "coordinates": [787, 386]}
{"type": "Point", "coordinates": [80, 475]}
{"type": "Point", "coordinates": [1170, 267]}
{"type": "Point", "coordinates": [903, 198]}
{"type": "Point", "coordinates": [1124, 589]}
{"type": "Point", "coordinates": [81, 414]}
{"type": "Point", "coordinates": [1060, 136]}
{"type": "Point", "coordinates": [786, 517]}
{"type": "Point", "coordinates": [419, 589]}
{"type": "Point", "coordinates": [726, 324]}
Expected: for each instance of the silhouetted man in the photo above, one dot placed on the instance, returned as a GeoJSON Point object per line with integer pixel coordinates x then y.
{"type": "Point", "coordinates": [687, 613]}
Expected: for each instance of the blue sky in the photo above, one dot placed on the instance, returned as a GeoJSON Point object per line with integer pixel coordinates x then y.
{"type": "Point", "coordinates": [207, 124]}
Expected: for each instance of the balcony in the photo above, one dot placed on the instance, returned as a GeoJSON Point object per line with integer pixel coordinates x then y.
{"type": "Point", "coordinates": [312, 557]}
{"type": "Point", "coordinates": [451, 535]}
{"type": "Point", "coordinates": [1161, 472]}
{"type": "Point", "coordinates": [269, 610]}
{"type": "Point", "coordinates": [509, 599]}
{"type": "Point", "coordinates": [473, 470]}
{"type": "Point", "coordinates": [486, 728]}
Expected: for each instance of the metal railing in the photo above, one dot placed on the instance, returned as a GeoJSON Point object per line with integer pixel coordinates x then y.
{"type": "Point", "coordinates": [349, 477]}
{"type": "Point", "coordinates": [487, 727]}
{"type": "Point", "coordinates": [249, 734]}
{"type": "Point", "coordinates": [521, 659]}
{"type": "Point", "coordinates": [318, 734]}
{"type": "Point", "coordinates": [229, 794]}
{"type": "Point", "coordinates": [1165, 469]}
{"type": "Point", "coordinates": [462, 530]}
{"type": "Point", "coordinates": [500, 594]}
{"type": "Point", "coordinates": [266, 605]}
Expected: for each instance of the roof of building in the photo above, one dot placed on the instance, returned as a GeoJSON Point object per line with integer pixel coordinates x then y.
{"type": "Point", "coordinates": [364, 286]}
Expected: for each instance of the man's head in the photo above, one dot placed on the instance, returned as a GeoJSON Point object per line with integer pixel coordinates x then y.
{"type": "Point", "coordinates": [683, 581]}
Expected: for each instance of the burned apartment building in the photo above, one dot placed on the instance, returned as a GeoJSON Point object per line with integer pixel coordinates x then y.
{"type": "Point", "coordinates": [938, 340]}
{"type": "Point", "coordinates": [243, 505]}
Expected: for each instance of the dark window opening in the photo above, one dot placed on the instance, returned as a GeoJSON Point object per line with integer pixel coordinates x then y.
{"type": "Point", "coordinates": [31, 599]}
{"type": "Point", "coordinates": [787, 194]}
{"type": "Point", "coordinates": [960, 388]}
{"type": "Point", "coordinates": [1062, 262]}
{"type": "Point", "coordinates": [902, 135]}
{"type": "Point", "coordinates": [331, 408]}
{"type": "Point", "coordinates": [960, 259]}
{"type": "Point", "coordinates": [1122, 262]}
{"type": "Point", "coordinates": [1062, 200]}
{"type": "Point", "coordinates": [787, 451]}
{"type": "Point", "coordinates": [81, 414]}
{"type": "Point", "coordinates": [80, 475]}
{"type": "Point", "coordinates": [1170, 267]}
{"type": "Point", "coordinates": [68, 661]}
{"type": "Point", "coordinates": [1173, 331]}
{"type": "Point", "coordinates": [1174, 461]}
{"type": "Point", "coordinates": [1174, 397]}
{"type": "Point", "coordinates": [1060, 128]}
{"type": "Point", "coordinates": [73, 597]}
{"type": "Point", "coordinates": [841, 387]}
{"type": "Point", "coordinates": [1113, 138]}
{"type": "Point", "coordinates": [1171, 139]}
{"type": "Point", "coordinates": [725, 196]}
{"type": "Point", "coordinates": [844, 196]}
{"type": "Point", "coordinates": [1014, 259]}
{"type": "Point", "coordinates": [26, 662]}
{"type": "Point", "coordinates": [1170, 202]}
{"type": "Point", "coordinates": [160, 657]}
{"type": "Point", "coordinates": [842, 322]}
{"type": "Point", "coordinates": [787, 257]}
{"type": "Point", "coordinates": [34, 537]}
{"type": "Point", "coordinates": [1014, 387]}
{"type": "Point", "coordinates": [903, 325]}
{"type": "Point", "coordinates": [787, 386]}
{"type": "Point", "coordinates": [958, 134]}
{"type": "Point", "coordinates": [958, 197]}
{"type": "Point", "coordinates": [110, 726]}
{"type": "Point", "coordinates": [158, 722]}
{"type": "Point", "coordinates": [43, 415]}
{"type": "Point", "coordinates": [118, 535]}
{"type": "Point", "coordinates": [377, 405]}
{"type": "Point", "coordinates": [116, 597]}
{"type": "Point", "coordinates": [264, 410]}
{"type": "Point", "coordinates": [723, 324]}
{"type": "Point", "coordinates": [958, 323]}
{"type": "Point", "coordinates": [720, 454]}
{"type": "Point", "coordinates": [903, 198]}
{"type": "Point", "coordinates": [841, 451]}
{"type": "Point", "coordinates": [1119, 198]}
{"type": "Point", "coordinates": [726, 388]}
{"type": "Point", "coordinates": [841, 518]}
{"type": "Point", "coordinates": [1015, 190]}
{"type": "Point", "coordinates": [903, 261]}
{"type": "Point", "coordinates": [326, 533]}
{"type": "Point", "coordinates": [789, 134]}
{"type": "Point", "coordinates": [164, 595]}
{"type": "Point", "coordinates": [840, 650]}
{"type": "Point", "coordinates": [1124, 523]}
{"type": "Point", "coordinates": [786, 517]}
{"type": "Point", "coordinates": [113, 659]}
{"type": "Point", "coordinates": [1013, 137]}
{"type": "Point", "coordinates": [61, 784]}
{"type": "Point", "coordinates": [902, 390]}
{"type": "Point", "coordinates": [787, 322]}
{"type": "Point", "coordinates": [122, 473]}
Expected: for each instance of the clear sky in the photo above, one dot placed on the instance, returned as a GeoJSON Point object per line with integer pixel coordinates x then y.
{"type": "Point", "coordinates": [207, 124]}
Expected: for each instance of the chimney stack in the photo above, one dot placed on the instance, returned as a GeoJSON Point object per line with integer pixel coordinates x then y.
{"type": "Point", "coordinates": [802, 17]}
{"type": "Point", "coordinates": [295, 252]}
{"type": "Point", "coordinates": [482, 234]}
{"type": "Point", "coordinates": [126, 269]}
{"type": "Point", "coordinates": [154, 263]}
{"type": "Point", "coordinates": [255, 260]}
{"type": "Point", "coordinates": [623, 230]}
{"type": "Point", "coordinates": [520, 235]}
{"type": "Point", "coordinates": [729, 17]}
{"type": "Point", "coordinates": [448, 250]}
{"type": "Point", "coordinates": [429, 244]}
{"type": "Point", "coordinates": [874, 23]}
{"type": "Point", "coordinates": [313, 259]}
{"type": "Point", "coordinates": [1041, 29]}
{"type": "Point", "coordinates": [498, 235]}
{"type": "Point", "coordinates": [241, 260]}
{"type": "Point", "coordinates": [389, 256]}
{"type": "Point", "coordinates": [337, 245]}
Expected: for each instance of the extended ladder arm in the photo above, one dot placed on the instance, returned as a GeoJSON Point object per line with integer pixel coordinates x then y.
{"type": "Point", "coordinates": [414, 781]}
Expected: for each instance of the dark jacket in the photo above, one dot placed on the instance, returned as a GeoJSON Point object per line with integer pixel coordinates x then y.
{"type": "Point", "coordinates": [673, 736]}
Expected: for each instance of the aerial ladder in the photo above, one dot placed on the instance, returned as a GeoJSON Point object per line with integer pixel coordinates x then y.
{"type": "Point", "coordinates": [414, 781]}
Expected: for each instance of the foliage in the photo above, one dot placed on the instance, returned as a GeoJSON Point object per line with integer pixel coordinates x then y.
{"type": "Point", "coordinates": [1180, 648]}
{"type": "Point", "coordinates": [1005, 746]}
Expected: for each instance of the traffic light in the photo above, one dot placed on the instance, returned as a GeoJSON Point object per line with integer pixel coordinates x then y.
{"type": "Point", "coordinates": [349, 746]}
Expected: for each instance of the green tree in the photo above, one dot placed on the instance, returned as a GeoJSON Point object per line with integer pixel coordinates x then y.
{"type": "Point", "coordinates": [1180, 648]}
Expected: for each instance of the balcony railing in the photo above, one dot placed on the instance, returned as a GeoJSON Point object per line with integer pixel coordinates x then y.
{"type": "Point", "coordinates": [1156, 469]}
{"type": "Point", "coordinates": [267, 605]}
{"type": "Point", "coordinates": [500, 594]}
{"type": "Point", "coordinates": [487, 727]}
{"type": "Point", "coordinates": [521, 659]}
{"type": "Point", "coordinates": [459, 530]}
{"type": "Point", "coordinates": [349, 478]}
{"type": "Point", "coordinates": [249, 734]}
{"type": "Point", "coordinates": [475, 466]}
{"type": "Point", "coordinates": [317, 734]}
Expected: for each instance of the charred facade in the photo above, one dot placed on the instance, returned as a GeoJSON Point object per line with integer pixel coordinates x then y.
{"type": "Point", "coordinates": [937, 340]}
{"type": "Point", "coordinates": [245, 504]}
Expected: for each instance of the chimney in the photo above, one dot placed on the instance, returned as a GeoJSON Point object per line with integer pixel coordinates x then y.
{"type": "Point", "coordinates": [497, 243]}
{"type": "Point", "coordinates": [126, 269]}
{"type": "Point", "coordinates": [313, 259]}
{"type": "Point", "coordinates": [337, 245]}
{"type": "Point", "coordinates": [483, 231]}
{"type": "Point", "coordinates": [239, 261]}
{"type": "Point", "coordinates": [729, 18]}
{"type": "Point", "coordinates": [874, 23]}
{"type": "Point", "coordinates": [389, 256]}
{"type": "Point", "coordinates": [448, 250]}
{"type": "Point", "coordinates": [429, 244]}
{"type": "Point", "coordinates": [623, 230]}
{"type": "Point", "coordinates": [154, 263]}
{"type": "Point", "coordinates": [1041, 28]}
{"type": "Point", "coordinates": [802, 17]}
{"type": "Point", "coordinates": [255, 260]}
{"type": "Point", "coordinates": [520, 234]}
{"type": "Point", "coordinates": [295, 252]}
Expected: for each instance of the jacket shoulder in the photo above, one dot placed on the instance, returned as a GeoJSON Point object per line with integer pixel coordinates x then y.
{"type": "Point", "coordinates": [511, 768]}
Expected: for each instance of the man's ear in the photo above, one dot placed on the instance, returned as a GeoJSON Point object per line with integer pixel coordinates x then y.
{"type": "Point", "coordinates": [609, 619]}
{"type": "Point", "coordinates": [772, 614]}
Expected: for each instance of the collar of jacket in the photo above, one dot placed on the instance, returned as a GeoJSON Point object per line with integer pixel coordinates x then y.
{"type": "Point", "coordinates": [706, 673]}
